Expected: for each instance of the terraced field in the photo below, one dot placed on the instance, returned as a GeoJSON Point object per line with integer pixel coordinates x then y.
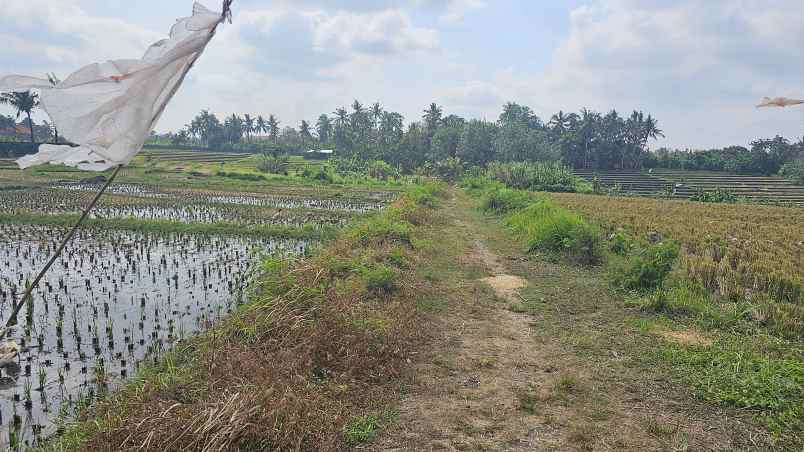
{"type": "Point", "coordinates": [684, 184]}
{"type": "Point", "coordinates": [194, 156]}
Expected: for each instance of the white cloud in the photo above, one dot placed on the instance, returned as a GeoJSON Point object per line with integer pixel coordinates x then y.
{"type": "Point", "coordinates": [457, 10]}
{"type": "Point", "coordinates": [698, 65]}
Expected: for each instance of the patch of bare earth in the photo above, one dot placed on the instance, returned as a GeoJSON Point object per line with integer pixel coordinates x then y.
{"type": "Point", "coordinates": [503, 378]}
{"type": "Point", "coordinates": [687, 337]}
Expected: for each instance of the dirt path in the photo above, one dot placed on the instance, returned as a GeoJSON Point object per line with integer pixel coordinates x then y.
{"type": "Point", "coordinates": [532, 356]}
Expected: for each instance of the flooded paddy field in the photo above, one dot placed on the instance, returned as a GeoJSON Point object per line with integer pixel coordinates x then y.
{"type": "Point", "coordinates": [369, 201]}
{"type": "Point", "coordinates": [166, 208]}
{"type": "Point", "coordinates": [118, 298]}
{"type": "Point", "coordinates": [114, 299]}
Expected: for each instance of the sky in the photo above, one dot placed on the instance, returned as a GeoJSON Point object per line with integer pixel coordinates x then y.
{"type": "Point", "coordinates": [698, 66]}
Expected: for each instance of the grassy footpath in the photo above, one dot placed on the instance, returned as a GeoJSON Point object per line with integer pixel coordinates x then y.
{"type": "Point", "coordinates": [728, 357]}
{"type": "Point", "coordinates": [562, 363]}
{"type": "Point", "coordinates": [311, 363]}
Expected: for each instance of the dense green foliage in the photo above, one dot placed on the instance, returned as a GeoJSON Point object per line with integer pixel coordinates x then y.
{"type": "Point", "coordinates": [765, 156]}
{"type": "Point", "coordinates": [718, 195]}
{"type": "Point", "coordinates": [793, 171]}
{"type": "Point", "coordinates": [544, 225]}
{"type": "Point", "coordinates": [644, 268]}
{"type": "Point", "coordinates": [540, 176]}
{"type": "Point", "coordinates": [445, 145]}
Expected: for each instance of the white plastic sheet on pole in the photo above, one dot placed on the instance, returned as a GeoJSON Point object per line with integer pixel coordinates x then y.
{"type": "Point", "coordinates": [109, 109]}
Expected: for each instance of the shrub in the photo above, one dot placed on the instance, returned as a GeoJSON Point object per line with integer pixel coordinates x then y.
{"type": "Point", "coordinates": [620, 244]}
{"type": "Point", "coordinates": [381, 170]}
{"type": "Point", "coordinates": [684, 299]}
{"type": "Point", "coordinates": [793, 172]}
{"type": "Point", "coordinates": [718, 195]}
{"type": "Point", "coordinates": [547, 227]}
{"type": "Point", "coordinates": [505, 200]}
{"type": "Point", "coordinates": [541, 176]}
{"type": "Point", "coordinates": [381, 229]}
{"type": "Point", "coordinates": [379, 277]}
{"type": "Point", "coordinates": [241, 176]}
{"type": "Point", "coordinates": [274, 164]}
{"type": "Point", "coordinates": [426, 194]}
{"type": "Point", "coordinates": [647, 268]}
{"type": "Point", "coordinates": [322, 173]}
{"type": "Point", "coordinates": [451, 169]}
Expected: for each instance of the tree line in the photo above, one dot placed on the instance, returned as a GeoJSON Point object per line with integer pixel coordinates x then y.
{"type": "Point", "coordinates": [584, 140]}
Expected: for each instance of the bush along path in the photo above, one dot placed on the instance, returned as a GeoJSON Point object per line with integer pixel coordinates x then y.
{"type": "Point", "coordinates": [534, 350]}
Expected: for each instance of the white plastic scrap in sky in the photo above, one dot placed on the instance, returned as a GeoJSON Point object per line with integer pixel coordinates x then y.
{"type": "Point", "coordinates": [108, 109]}
{"type": "Point", "coordinates": [779, 102]}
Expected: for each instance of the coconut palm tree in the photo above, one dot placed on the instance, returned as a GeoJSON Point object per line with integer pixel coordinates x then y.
{"type": "Point", "coordinates": [357, 116]}
{"type": "Point", "coordinates": [304, 132]}
{"type": "Point", "coordinates": [273, 128]}
{"type": "Point", "coordinates": [432, 117]}
{"type": "Point", "coordinates": [341, 117]}
{"type": "Point", "coordinates": [262, 125]}
{"type": "Point", "coordinates": [559, 123]}
{"type": "Point", "coordinates": [248, 126]}
{"type": "Point", "coordinates": [24, 102]}
{"type": "Point", "coordinates": [323, 128]}
{"type": "Point", "coordinates": [376, 114]}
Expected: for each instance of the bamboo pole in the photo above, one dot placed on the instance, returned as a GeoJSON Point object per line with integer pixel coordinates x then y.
{"type": "Point", "coordinates": [12, 320]}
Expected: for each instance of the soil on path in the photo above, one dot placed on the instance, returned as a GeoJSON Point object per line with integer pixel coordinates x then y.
{"type": "Point", "coordinates": [533, 355]}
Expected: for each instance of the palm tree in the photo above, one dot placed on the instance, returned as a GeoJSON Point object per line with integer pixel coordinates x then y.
{"type": "Point", "coordinates": [261, 126]}
{"type": "Point", "coordinates": [356, 117]}
{"type": "Point", "coordinates": [559, 123]}
{"type": "Point", "coordinates": [392, 126]}
{"type": "Point", "coordinates": [248, 126]}
{"type": "Point", "coordinates": [650, 129]}
{"type": "Point", "coordinates": [273, 128]}
{"type": "Point", "coordinates": [304, 131]}
{"type": "Point", "coordinates": [24, 102]}
{"type": "Point", "coordinates": [341, 117]}
{"type": "Point", "coordinates": [324, 128]}
{"type": "Point", "coordinates": [587, 131]}
{"type": "Point", "coordinates": [432, 118]}
{"type": "Point", "coordinates": [376, 114]}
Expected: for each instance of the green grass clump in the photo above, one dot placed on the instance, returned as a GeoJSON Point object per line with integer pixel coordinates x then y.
{"type": "Point", "coordinates": [383, 229]}
{"type": "Point", "coordinates": [505, 200]}
{"type": "Point", "coordinates": [647, 268]}
{"type": "Point", "coordinates": [539, 176]}
{"type": "Point", "coordinates": [682, 300]}
{"type": "Point", "coordinates": [251, 177]}
{"type": "Point", "coordinates": [734, 373]}
{"type": "Point", "coordinates": [548, 227]}
{"type": "Point", "coordinates": [379, 277]}
{"type": "Point", "coordinates": [361, 429]}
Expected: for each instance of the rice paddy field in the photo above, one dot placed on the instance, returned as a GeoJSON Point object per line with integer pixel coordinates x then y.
{"type": "Point", "coordinates": [737, 251]}
{"type": "Point", "coordinates": [685, 184]}
{"type": "Point", "coordinates": [164, 255]}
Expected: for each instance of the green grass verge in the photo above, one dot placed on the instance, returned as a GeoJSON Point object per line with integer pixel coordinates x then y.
{"type": "Point", "coordinates": [755, 361]}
